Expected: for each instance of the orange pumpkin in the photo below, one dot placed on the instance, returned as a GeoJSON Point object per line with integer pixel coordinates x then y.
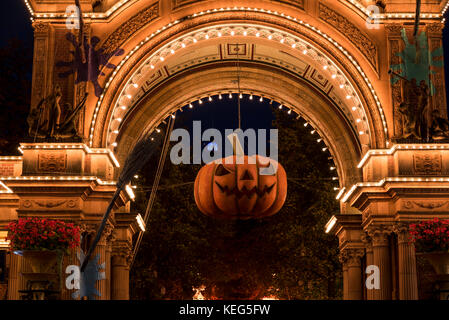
{"type": "Point", "coordinates": [239, 191]}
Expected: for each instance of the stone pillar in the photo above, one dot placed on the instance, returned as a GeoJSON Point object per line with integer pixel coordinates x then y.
{"type": "Point", "coordinates": [14, 277]}
{"type": "Point", "coordinates": [369, 261]}
{"type": "Point", "coordinates": [408, 282]}
{"type": "Point", "coordinates": [355, 274]}
{"type": "Point", "coordinates": [381, 259]}
{"type": "Point", "coordinates": [102, 284]}
{"type": "Point", "coordinates": [352, 273]}
{"type": "Point", "coordinates": [108, 271]}
{"type": "Point", "coordinates": [121, 259]}
{"type": "Point", "coordinates": [345, 280]}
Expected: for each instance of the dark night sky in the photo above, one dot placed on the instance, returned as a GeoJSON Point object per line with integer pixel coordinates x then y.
{"type": "Point", "coordinates": [15, 23]}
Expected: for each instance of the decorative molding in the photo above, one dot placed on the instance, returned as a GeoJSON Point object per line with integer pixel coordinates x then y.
{"type": "Point", "coordinates": [181, 3]}
{"type": "Point", "coordinates": [134, 24]}
{"type": "Point", "coordinates": [435, 28]}
{"type": "Point", "coordinates": [49, 203]}
{"type": "Point", "coordinates": [427, 164]}
{"type": "Point", "coordinates": [351, 32]}
{"type": "Point", "coordinates": [295, 3]}
{"type": "Point", "coordinates": [41, 27]}
{"type": "Point", "coordinates": [424, 204]}
{"type": "Point", "coordinates": [98, 131]}
{"type": "Point", "coordinates": [394, 29]}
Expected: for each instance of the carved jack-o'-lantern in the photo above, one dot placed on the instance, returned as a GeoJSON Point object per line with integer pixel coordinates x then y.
{"type": "Point", "coordinates": [240, 191]}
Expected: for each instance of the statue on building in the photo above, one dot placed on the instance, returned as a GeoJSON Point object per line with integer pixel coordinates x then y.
{"type": "Point", "coordinates": [45, 120]}
{"type": "Point", "coordinates": [412, 111]}
{"type": "Point", "coordinates": [439, 128]}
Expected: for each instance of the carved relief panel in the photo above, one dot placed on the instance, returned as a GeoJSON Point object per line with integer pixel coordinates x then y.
{"type": "Point", "coordinates": [52, 162]}
{"type": "Point", "coordinates": [427, 164]}
{"type": "Point", "coordinates": [360, 40]}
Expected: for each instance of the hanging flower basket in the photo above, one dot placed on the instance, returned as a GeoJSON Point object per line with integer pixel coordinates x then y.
{"type": "Point", "coordinates": [43, 235]}
{"type": "Point", "coordinates": [42, 243]}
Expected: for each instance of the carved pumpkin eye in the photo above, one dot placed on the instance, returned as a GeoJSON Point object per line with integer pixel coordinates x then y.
{"type": "Point", "coordinates": [221, 171]}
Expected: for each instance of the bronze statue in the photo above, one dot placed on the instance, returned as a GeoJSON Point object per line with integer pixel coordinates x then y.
{"type": "Point", "coordinates": [439, 129]}
{"type": "Point", "coordinates": [413, 109]}
{"type": "Point", "coordinates": [45, 119]}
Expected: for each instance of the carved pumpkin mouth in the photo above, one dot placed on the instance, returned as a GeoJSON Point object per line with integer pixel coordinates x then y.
{"type": "Point", "coordinates": [239, 193]}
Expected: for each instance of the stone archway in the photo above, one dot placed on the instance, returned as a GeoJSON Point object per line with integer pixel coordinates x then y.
{"type": "Point", "coordinates": [299, 54]}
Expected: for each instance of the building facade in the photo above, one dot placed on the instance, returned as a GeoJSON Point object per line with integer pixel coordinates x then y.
{"type": "Point", "coordinates": [354, 69]}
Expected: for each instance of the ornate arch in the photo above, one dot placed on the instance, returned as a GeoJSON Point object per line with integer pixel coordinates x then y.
{"type": "Point", "coordinates": [298, 29]}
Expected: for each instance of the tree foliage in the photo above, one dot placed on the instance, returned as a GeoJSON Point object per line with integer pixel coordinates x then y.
{"type": "Point", "coordinates": [287, 255]}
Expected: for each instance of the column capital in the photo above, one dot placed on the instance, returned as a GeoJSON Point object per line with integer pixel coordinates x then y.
{"type": "Point", "coordinates": [379, 234]}
{"type": "Point", "coordinates": [402, 231]}
{"type": "Point", "coordinates": [92, 228]}
{"type": "Point", "coordinates": [351, 257]}
{"type": "Point", "coordinates": [121, 253]}
{"type": "Point", "coordinates": [367, 241]}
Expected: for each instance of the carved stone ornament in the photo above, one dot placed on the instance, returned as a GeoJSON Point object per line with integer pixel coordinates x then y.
{"type": "Point", "coordinates": [351, 32]}
{"type": "Point", "coordinates": [402, 231]}
{"type": "Point", "coordinates": [367, 241]}
{"type": "Point", "coordinates": [134, 24]}
{"type": "Point", "coordinates": [351, 257]}
{"type": "Point", "coordinates": [435, 27]}
{"type": "Point", "coordinates": [379, 234]}
{"type": "Point", "coordinates": [427, 164]}
{"type": "Point", "coordinates": [430, 205]}
{"type": "Point", "coordinates": [52, 162]}
{"type": "Point", "coordinates": [394, 28]}
{"type": "Point", "coordinates": [92, 229]}
{"type": "Point", "coordinates": [121, 253]}
{"type": "Point", "coordinates": [49, 203]}
{"type": "Point", "coordinates": [41, 27]}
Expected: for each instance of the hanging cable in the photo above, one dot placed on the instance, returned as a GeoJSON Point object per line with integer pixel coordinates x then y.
{"type": "Point", "coordinates": [238, 86]}
{"type": "Point", "coordinates": [417, 19]}
{"type": "Point", "coordinates": [157, 178]}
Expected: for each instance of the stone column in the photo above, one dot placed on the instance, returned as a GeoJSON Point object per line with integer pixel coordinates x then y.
{"type": "Point", "coordinates": [101, 285]}
{"type": "Point", "coordinates": [121, 259]}
{"type": "Point", "coordinates": [345, 282]}
{"type": "Point", "coordinates": [14, 277]}
{"type": "Point", "coordinates": [352, 273]}
{"type": "Point", "coordinates": [355, 274]}
{"type": "Point", "coordinates": [369, 261]}
{"type": "Point", "coordinates": [381, 259]}
{"type": "Point", "coordinates": [408, 282]}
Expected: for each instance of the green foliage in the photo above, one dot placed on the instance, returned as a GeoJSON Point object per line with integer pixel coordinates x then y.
{"type": "Point", "coordinates": [287, 255]}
